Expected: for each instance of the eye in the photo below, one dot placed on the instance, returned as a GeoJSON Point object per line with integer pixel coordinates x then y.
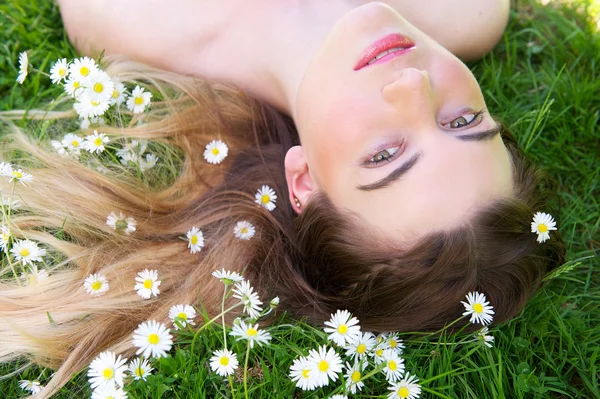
{"type": "Point", "coordinates": [464, 120]}
{"type": "Point", "coordinates": [384, 156]}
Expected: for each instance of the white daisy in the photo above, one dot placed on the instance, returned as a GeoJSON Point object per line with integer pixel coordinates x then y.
{"type": "Point", "coordinates": [483, 337]}
{"type": "Point", "coordinates": [139, 368]}
{"type": "Point", "coordinates": [95, 284]}
{"type": "Point", "coordinates": [406, 388]}
{"type": "Point", "coordinates": [325, 364]}
{"type": "Point", "coordinates": [152, 339]}
{"type": "Point", "coordinates": [353, 375]}
{"type": "Point", "coordinates": [223, 362]}
{"type": "Point", "coordinates": [244, 230]}
{"type": "Point", "coordinates": [59, 70]}
{"type": "Point", "coordinates": [19, 176]}
{"type": "Point", "coordinates": [227, 277]}
{"type": "Point", "coordinates": [4, 237]}
{"type": "Point", "coordinates": [109, 392]}
{"type": "Point", "coordinates": [23, 66]}
{"type": "Point", "coordinates": [6, 169]}
{"type": "Point", "coordinates": [215, 152]}
{"type": "Point", "coordinates": [81, 68]}
{"type": "Point", "coordinates": [392, 341]}
{"type": "Point", "coordinates": [139, 100]}
{"type": "Point", "coordinates": [301, 372]}
{"type": "Point", "coordinates": [185, 314]}
{"type": "Point", "coordinates": [266, 197]}
{"type": "Point", "coordinates": [95, 142]}
{"type": "Point", "coordinates": [147, 284]}
{"type": "Point", "coordinates": [27, 251]}
{"type": "Point", "coordinates": [99, 86]}
{"type": "Point", "coordinates": [34, 276]}
{"type": "Point", "coordinates": [121, 222]}
{"type": "Point", "coordinates": [342, 327]}
{"type": "Point", "coordinates": [88, 107]}
{"type": "Point", "coordinates": [6, 201]}
{"type": "Point", "coordinates": [195, 240]}
{"type": "Point", "coordinates": [73, 87]}
{"type": "Point", "coordinates": [32, 386]}
{"type": "Point", "coordinates": [119, 92]}
{"type": "Point", "coordinates": [251, 333]}
{"type": "Point", "coordinates": [148, 163]}
{"type": "Point", "coordinates": [73, 143]}
{"type": "Point", "coordinates": [85, 123]}
{"type": "Point", "coordinates": [250, 299]}
{"type": "Point", "coordinates": [541, 225]}
{"type": "Point", "coordinates": [377, 354]}
{"type": "Point", "coordinates": [361, 345]}
{"type": "Point", "coordinates": [478, 308]}
{"type": "Point", "coordinates": [106, 370]}
{"type": "Point", "coordinates": [394, 365]}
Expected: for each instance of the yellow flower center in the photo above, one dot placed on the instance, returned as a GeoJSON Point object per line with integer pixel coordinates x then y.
{"type": "Point", "coordinates": [355, 376]}
{"type": "Point", "coordinates": [361, 348]}
{"type": "Point", "coordinates": [108, 373]}
{"type": "Point", "coordinates": [138, 101]}
{"type": "Point", "coordinates": [148, 284]}
{"type": "Point", "coordinates": [244, 230]}
{"type": "Point", "coordinates": [323, 365]}
{"type": "Point", "coordinates": [84, 71]}
{"type": "Point", "coordinates": [252, 332]}
{"type": "Point", "coordinates": [96, 285]}
{"type": "Point", "coordinates": [17, 174]}
{"type": "Point", "coordinates": [139, 372]}
{"type": "Point", "coordinates": [224, 361]}
{"type": "Point", "coordinates": [182, 315]}
{"type": "Point", "coordinates": [153, 339]}
{"type": "Point", "coordinates": [5, 237]}
{"type": "Point", "coordinates": [403, 392]}
{"type": "Point", "coordinates": [24, 252]}
{"type": "Point", "coordinates": [98, 141]}
{"type": "Point", "coordinates": [265, 199]}
{"type": "Point", "coordinates": [305, 373]}
{"type": "Point", "coordinates": [62, 72]}
{"type": "Point", "coordinates": [342, 329]}
{"type": "Point", "coordinates": [115, 94]}
{"type": "Point", "coordinates": [95, 103]}
{"type": "Point", "coordinates": [542, 228]}
{"type": "Point", "coordinates": [379, 352]}
{"type": "Point", "coordinates": [392, 365]}
{"type": "Point", "coordinates": [478, 308]}
{"type": "Point", "coordinates": [194, 240]}
{"type": "Point", "coordinates": [76, 85]}
{"type": "Point", "coordinates": [75, 143]}
{"type": "Point", "coordinates": [393, 343]}
{"type": "Point", "coordinates": [215, 151]}
{"type": "Point", "coordinates": [98, 87]}
{"type": "Point", "coordinates": [110, 397]}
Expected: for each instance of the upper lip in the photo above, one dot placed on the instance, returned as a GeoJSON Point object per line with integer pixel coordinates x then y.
{"type": "Point", "coordinates": [383, 44]}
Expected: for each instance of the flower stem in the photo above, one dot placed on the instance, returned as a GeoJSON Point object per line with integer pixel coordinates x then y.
{"type": "Point", "coordinates": [246, 370]}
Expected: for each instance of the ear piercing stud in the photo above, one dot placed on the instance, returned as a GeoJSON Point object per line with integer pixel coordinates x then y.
{"type": "Point", "coordinates": [297, 201]}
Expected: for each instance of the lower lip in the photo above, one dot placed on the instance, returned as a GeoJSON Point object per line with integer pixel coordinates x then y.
{"type": "Point", "coordinates": [389, 56]}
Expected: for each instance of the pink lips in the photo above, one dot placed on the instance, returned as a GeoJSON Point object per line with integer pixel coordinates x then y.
{"type": "Point", "coordinates": [386, 43]}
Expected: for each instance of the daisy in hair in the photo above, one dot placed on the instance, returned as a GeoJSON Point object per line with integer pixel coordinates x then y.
{"type": "Point", "coordinates": [95, 284]}
{"type": "Point", "coordinates": [59, 71]}
{"type": "Point", "coordinates": [406, 388]}
{"type": "Point", "coordinates": [139, 100]}
{"type": "Point", "coordinates": [107, 370]}
{"type": "Point", "coordinates": [478, 308]}
{"type": "Point", "coordinates": [342, 327]}
{"type": "Point", "coordinates": [215, 152]}
{"type": "Point", "coordinates": [353, 375]}
{"type": "Point", "coordinates": [23, 67]}
{"type": "Point", "coordinates": [301, 373]}
{"type": "Point", "coordinates": [27, 252]}
{"type": "Point", "coordinates": [121, 222]}
{"type": "Point", "coordinates": [266, 198]}
{"type": "Point", "coordinates": [185, 314]}
{"type": "Point", "coordinates": [18, 175]}
{"type": "Point", "coordinates": [325, 364]}
{"type": "Point", "coordinates": [244, 230]}
{"type": "Point", "coordinates": [541, 225]}
{"type": "Point", "coordinates": [139, 369]}
{"type": "Point", "coordinates": [251, 333]}
{"type": "Point", "coordinates": [147, 283]}
{"type": "Point", "coordinates": [195, 240]}
{"type": "Point", "coordinates": [34, 387]}
{"type": "Point", "coordinates": [227, 277]}
{"type": "Point", "coordinates": [244, 292]}
{"type": "Point", "coordinates": [95, 142]}
{"type": "Point", "coordinates": [224, 362]}
{"type": "Point", "coordinates": [152, 339]}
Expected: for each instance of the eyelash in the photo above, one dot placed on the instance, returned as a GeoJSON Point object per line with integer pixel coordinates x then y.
{"type": "Point", "coordinates": [372, 162]}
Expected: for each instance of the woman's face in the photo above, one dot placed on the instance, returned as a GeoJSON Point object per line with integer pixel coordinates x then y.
{"type": "Point", "coordinates": [397, 142]}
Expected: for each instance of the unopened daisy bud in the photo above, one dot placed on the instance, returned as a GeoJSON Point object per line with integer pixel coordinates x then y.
{"type": "Point", "coordinates": [23, 67]}
{"type": "Point", "coordinates": [274, 303]}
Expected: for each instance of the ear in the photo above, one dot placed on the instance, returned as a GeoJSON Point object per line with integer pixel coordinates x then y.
{"type": "Point", "coordinates": [299, 182]}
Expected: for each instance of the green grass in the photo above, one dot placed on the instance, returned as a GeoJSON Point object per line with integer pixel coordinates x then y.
{"type": "Point", "coordinates": [542, 80]}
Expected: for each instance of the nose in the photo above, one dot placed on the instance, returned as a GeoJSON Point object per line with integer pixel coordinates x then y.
{"type": "Point", "coordinates": [410, 93]}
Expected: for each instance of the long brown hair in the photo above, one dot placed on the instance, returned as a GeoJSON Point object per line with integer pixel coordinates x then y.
{"type": "Point", "coordinates": [310, 261]}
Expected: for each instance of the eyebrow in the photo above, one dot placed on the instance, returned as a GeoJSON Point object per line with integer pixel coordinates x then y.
{"type": "Point", "coordinates": [406, 166]}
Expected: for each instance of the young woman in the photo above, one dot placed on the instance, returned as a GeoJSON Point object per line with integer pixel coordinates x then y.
{"type": "Point", "coordinates": [403, 193]}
